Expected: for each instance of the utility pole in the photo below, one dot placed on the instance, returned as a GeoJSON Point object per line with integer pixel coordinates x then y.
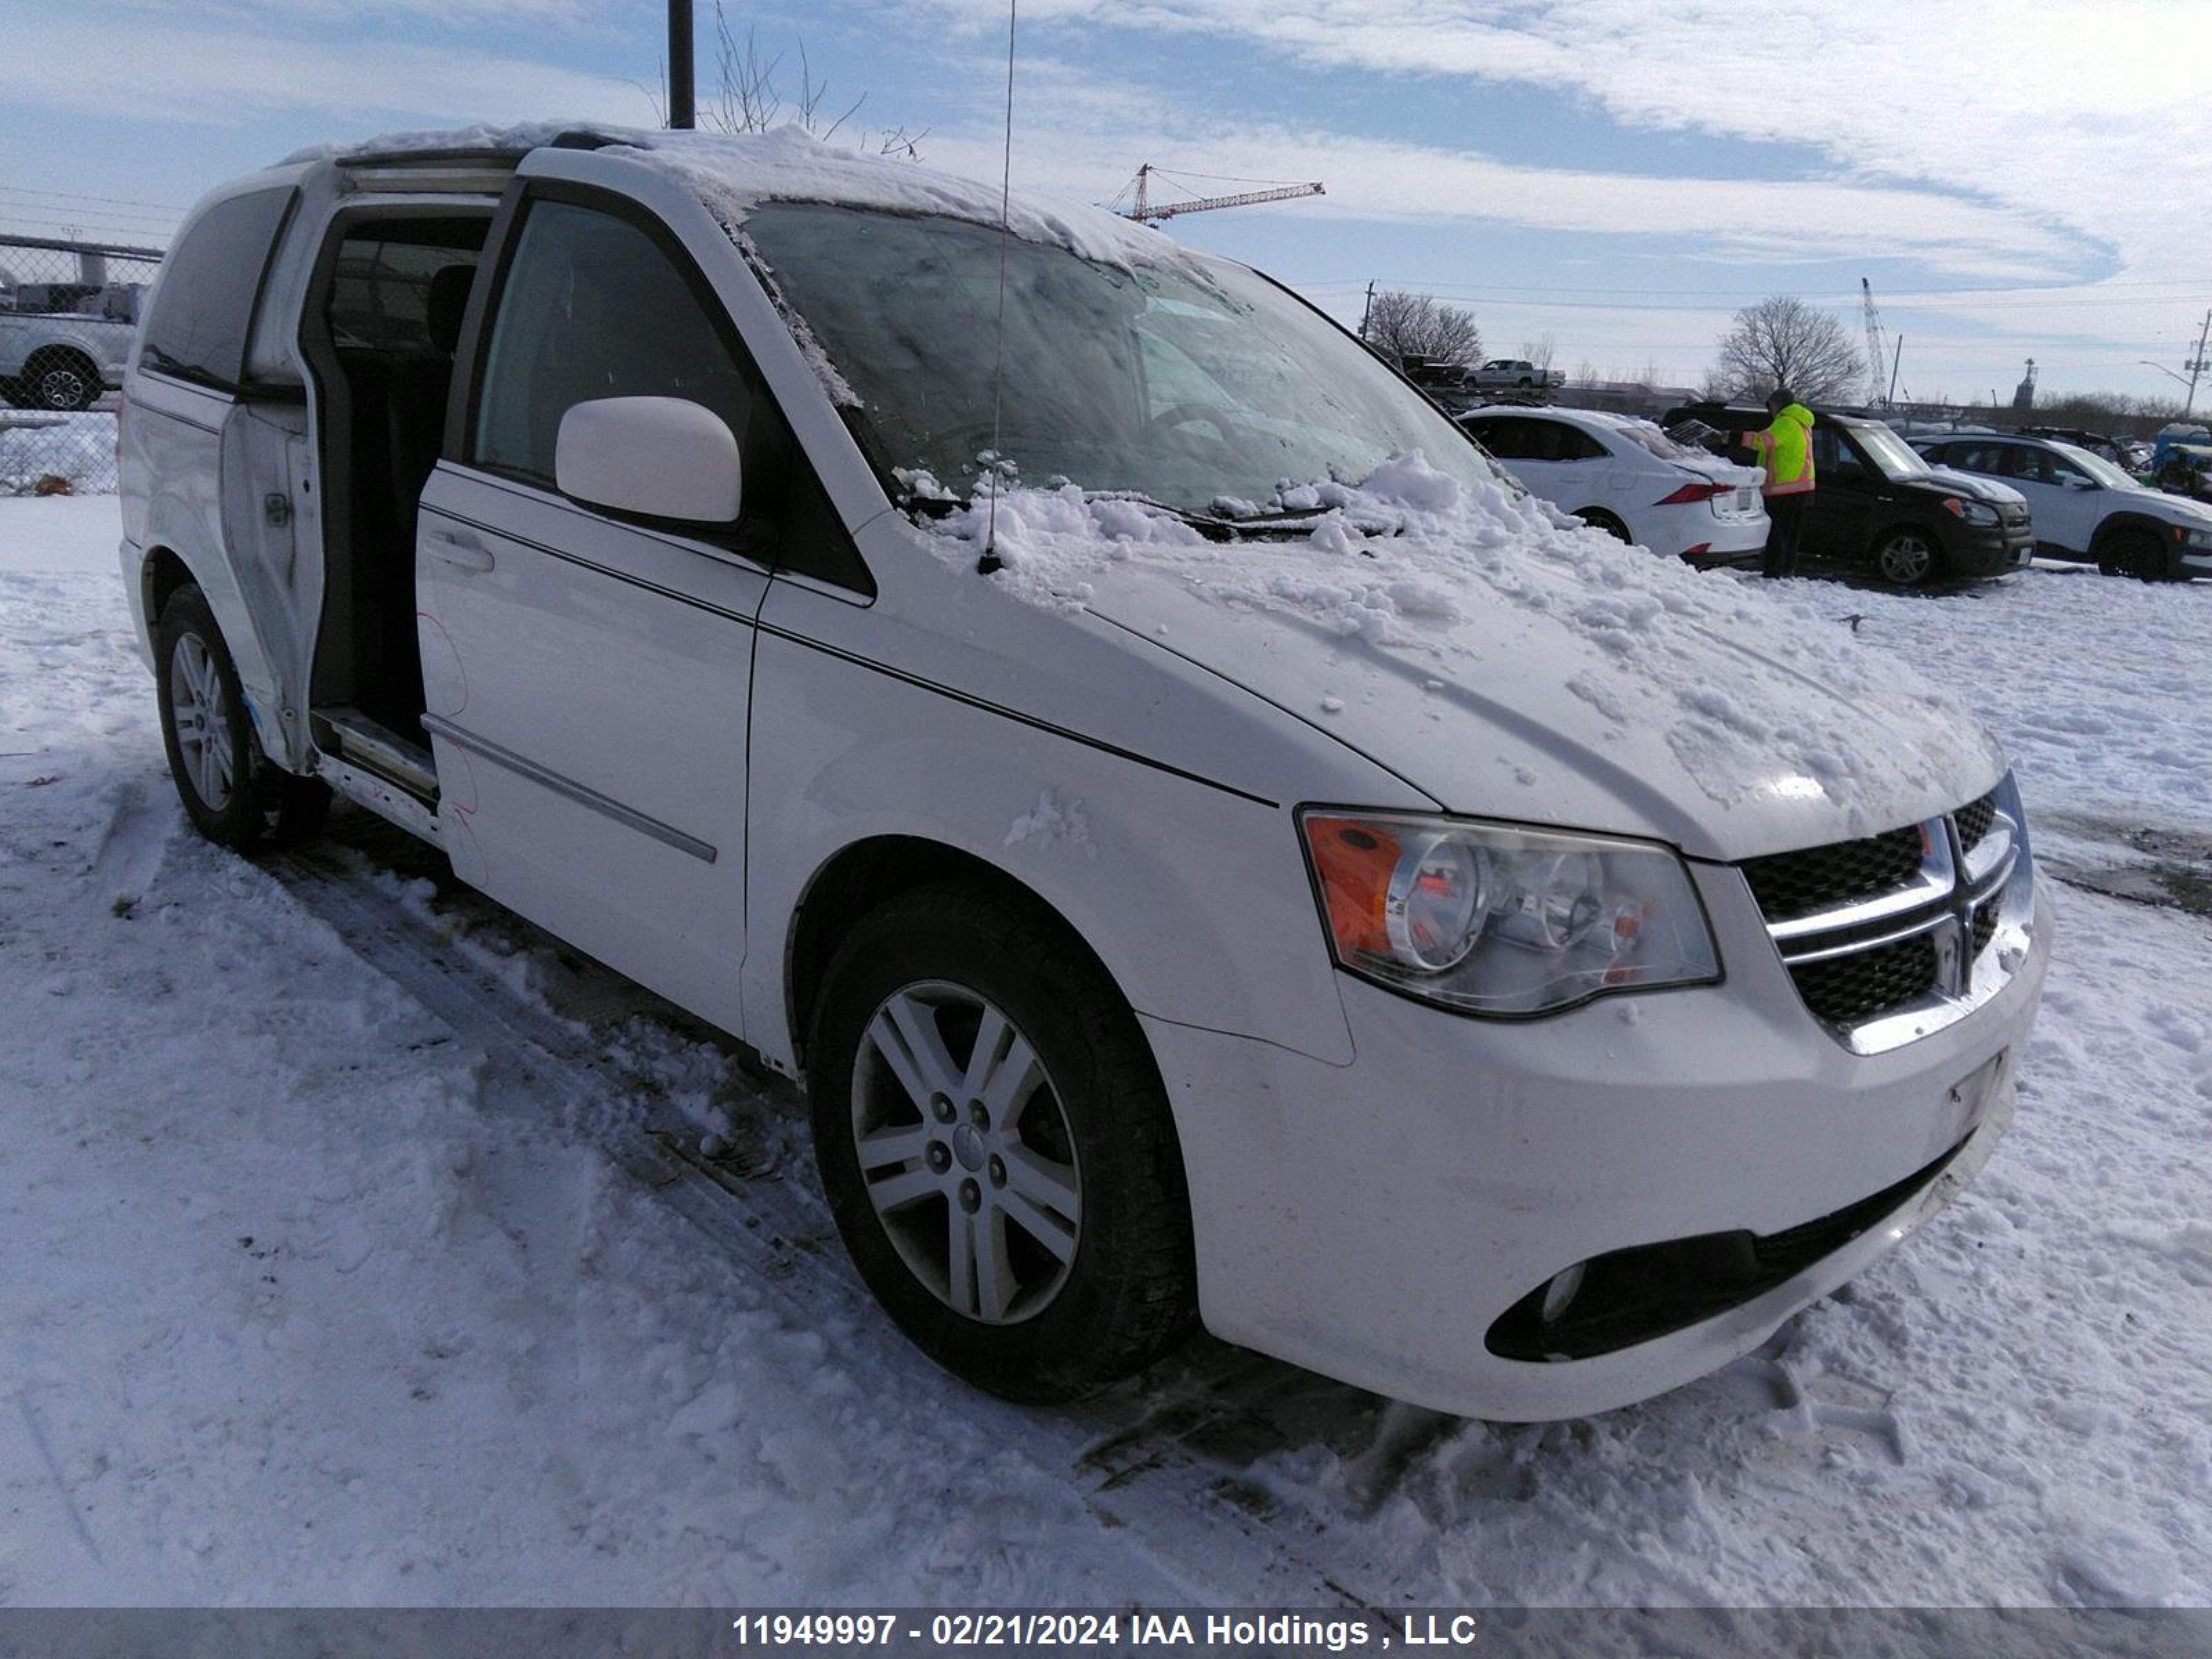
{"type": "Point", "coordinates": [1367, 310]}
{"type": "Point", "coordinates": [683, 108]}
{"type": "Point", "coordinates": [2196, 365]}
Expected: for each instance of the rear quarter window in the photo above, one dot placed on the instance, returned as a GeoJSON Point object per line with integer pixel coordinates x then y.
{"type": "Point", "coordinates": [203, 302]}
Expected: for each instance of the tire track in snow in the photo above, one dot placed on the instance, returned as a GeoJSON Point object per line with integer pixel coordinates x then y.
{"type": "Point", "coordinates": [1148, 1458]}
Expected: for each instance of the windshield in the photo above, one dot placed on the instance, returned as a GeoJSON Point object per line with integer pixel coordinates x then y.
{"type": "Point", "coordinates": [1195, 386]}
{"type": "Point", "coordinates": [1890, 453]}
{"type": "Point", "coordinates": [2097, 467]}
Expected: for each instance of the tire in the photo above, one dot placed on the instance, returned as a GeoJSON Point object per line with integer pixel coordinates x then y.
{"type": "Point", "coordinates": [1598, 518]}
{"type": "Point", "coordinates": [234, 794]}
{"type": "Point", "coordinates": [2135, 553]}
{"type": "Point", "coordinates": [60, 379]}
{"type": "Point", "coordinates": [1077, 1267]}
{"type": "Point", "coordinates": [1907, 556]}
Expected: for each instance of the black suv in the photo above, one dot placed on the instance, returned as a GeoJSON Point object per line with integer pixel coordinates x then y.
{"type": "Point", "coordinates": [1878, 503]}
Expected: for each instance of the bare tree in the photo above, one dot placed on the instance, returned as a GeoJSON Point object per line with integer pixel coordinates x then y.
{"type": "Point", "coordinates": [1416, 325]}
{"type": "Point", "coordinates": [1541, 350]}
{"type": "Point", "coordinates": [751, 99]}
{"type": "Point", "coordinates": [1784, 341]}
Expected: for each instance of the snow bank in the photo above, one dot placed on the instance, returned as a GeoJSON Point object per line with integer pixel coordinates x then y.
{"type": "Point", "coordinates": [1473, 583]}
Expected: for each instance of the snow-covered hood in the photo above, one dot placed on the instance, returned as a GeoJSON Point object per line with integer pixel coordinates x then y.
{"type": "Point", "coordinates": [1512, 663]}
{"type": "Point", "coordinates": [2174, 509]}
{"type": "Point", "coordinates": [1971, 485]}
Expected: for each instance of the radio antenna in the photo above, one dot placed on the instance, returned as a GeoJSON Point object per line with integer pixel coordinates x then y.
{"type": "Point", "coordinates": [990, 560]}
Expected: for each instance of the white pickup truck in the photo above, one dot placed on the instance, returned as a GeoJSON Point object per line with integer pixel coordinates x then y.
{"type": "Point", "coordinates": [56, 358]}
{"type": "Point", "coordinates": [1516, 372]}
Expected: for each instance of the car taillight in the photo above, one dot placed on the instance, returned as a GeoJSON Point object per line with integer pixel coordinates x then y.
{"type": "Point", "coordinates": [1695, 492]}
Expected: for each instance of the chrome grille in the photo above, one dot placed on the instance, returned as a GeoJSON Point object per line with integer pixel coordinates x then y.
{"type": "Point", "coordinates": [1974, 819]}
{"type": "Point", "coordinates": [1892, 937]}
{"type": "Point", "coordinates": [1846, 990]}
{"type": "Point", "coordinates": [1789, 885]}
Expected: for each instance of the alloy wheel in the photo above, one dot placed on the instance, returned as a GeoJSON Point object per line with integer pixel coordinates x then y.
{"type": "Point", "coordinates": [1906, 558]}
{"type": "Point", "coordinates": [62, 387]}
{"type": "Point", "coordinates": [200, 711]}
{"type": "Point", "coordinates": [966, 1152]}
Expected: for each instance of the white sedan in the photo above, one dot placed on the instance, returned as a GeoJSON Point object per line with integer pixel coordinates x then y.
{"type": "Point", "coordinates": [1629, 478]}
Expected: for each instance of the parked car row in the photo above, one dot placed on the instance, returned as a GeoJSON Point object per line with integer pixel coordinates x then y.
{"type": "Point", "coordinates": [1941, 510]}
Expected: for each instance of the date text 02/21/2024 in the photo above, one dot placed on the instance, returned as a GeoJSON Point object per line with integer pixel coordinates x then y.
{"type": "Point", "coordinates": [1169, 1631]}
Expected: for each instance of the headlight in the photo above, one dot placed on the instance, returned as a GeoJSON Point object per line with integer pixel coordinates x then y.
{"type": "Point", "coordinates": [1972, 512]}
{"type": "Point", "coordinates": [1493, 919]}
{"type": "Point", "coordinates": [2199, 537]}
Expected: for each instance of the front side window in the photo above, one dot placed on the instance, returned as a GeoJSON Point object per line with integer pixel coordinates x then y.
{"type": "Point", "coordinates": [1185, 382]}
{"type": "Point", "coordinates": [592, 307]}
{"type": "Point", "coordinates": [203, 301]}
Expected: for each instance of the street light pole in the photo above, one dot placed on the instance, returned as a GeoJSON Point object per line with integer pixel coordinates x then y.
{"type": "Point", "coordinates": [683, 110]}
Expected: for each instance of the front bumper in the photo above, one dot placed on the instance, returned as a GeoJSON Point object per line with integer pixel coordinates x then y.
{"type": "Point", "coordinates": [1375, 1221]}
{"type": "Point", "coordinates": [1992, 552]}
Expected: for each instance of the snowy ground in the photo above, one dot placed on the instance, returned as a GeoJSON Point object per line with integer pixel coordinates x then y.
{"type": "Point", "coordinates": [355, 1255]}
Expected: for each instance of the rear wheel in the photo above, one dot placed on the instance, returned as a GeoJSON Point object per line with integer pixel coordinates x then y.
{"type": "Point", "coordinates": [66, 380]}
{"type": "Point", "coordinates": [1598, 518]}
{"type": "Point", "coordinates": [1906, 556]}
{"type": "Point", "coordinates": [997, 1147]}
{"type": "Point", "coordinates": [232, 792]}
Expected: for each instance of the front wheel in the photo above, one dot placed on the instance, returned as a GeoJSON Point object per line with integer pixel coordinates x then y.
{"type": "Point", "coordinates": [2134, 553]}
{"type": "Point", "coordinates": [997, 1147]}
{"type": "Point", "coordinates": [1906, 556]}
{"type": "Point", "coordinates": [233, 794]}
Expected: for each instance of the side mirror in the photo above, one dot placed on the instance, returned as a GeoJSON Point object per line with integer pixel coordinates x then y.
{"type": "Point", "coordinates": [665, 457]}
{"type": "Point", "coordinates": [2074, 481]}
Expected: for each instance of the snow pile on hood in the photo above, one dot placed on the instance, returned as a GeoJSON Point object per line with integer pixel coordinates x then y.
{"type": "Point", "coordinates": [735, 173]}
{"type": "Point", "coordinates": [1467, 585]}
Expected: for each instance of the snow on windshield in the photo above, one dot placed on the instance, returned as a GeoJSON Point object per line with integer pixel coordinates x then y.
{"type": "Point", "coordinates": [1188, 385]}
{"type": "Point", "coordinates": [1451, 575]}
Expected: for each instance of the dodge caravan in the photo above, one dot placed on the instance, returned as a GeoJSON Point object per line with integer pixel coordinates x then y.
{"type": "Point", "coordinates": [1209, 848]}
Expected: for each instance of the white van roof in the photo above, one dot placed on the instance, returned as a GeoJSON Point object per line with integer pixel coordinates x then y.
{"type": "Point", "coordinates": [736, 172]}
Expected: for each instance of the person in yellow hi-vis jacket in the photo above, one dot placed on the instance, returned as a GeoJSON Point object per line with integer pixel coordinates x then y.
{"type": "Point", "coordinates": [1785, 450]}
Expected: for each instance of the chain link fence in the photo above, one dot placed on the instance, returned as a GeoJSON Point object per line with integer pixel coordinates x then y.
{"type": "Point", "coordinates": [67, 312]}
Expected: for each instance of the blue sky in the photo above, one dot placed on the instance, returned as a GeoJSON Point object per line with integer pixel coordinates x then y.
{"type": "Point", "coordinates": [1617, 175]}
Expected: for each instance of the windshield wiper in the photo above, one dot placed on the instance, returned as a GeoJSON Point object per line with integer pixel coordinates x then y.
{"type": "Point", "coordinates": [1272, 527]}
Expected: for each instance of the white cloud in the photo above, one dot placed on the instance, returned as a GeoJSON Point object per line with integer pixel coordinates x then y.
{"type": "Point", "coordinates": [2001, 141]}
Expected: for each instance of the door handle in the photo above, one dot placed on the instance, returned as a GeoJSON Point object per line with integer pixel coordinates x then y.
{"type": "Point", "coordinates": [458, 549]}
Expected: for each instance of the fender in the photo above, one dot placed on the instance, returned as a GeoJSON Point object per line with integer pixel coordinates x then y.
{"type": "Point", "coordinates": [843, 755]}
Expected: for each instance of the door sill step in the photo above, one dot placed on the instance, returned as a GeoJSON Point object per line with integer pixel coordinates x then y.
{"type": "Point", "coordinates": [373, 747]}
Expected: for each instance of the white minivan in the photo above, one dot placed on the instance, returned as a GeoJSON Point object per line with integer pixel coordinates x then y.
{"type": "Point", "coordinates": [1210, 847]}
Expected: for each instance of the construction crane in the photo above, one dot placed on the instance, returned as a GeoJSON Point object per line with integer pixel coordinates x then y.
{"type": "Point", "coordinates": [1146, 211]}
{"type": "Point", "coordinates": [1877, 392]}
